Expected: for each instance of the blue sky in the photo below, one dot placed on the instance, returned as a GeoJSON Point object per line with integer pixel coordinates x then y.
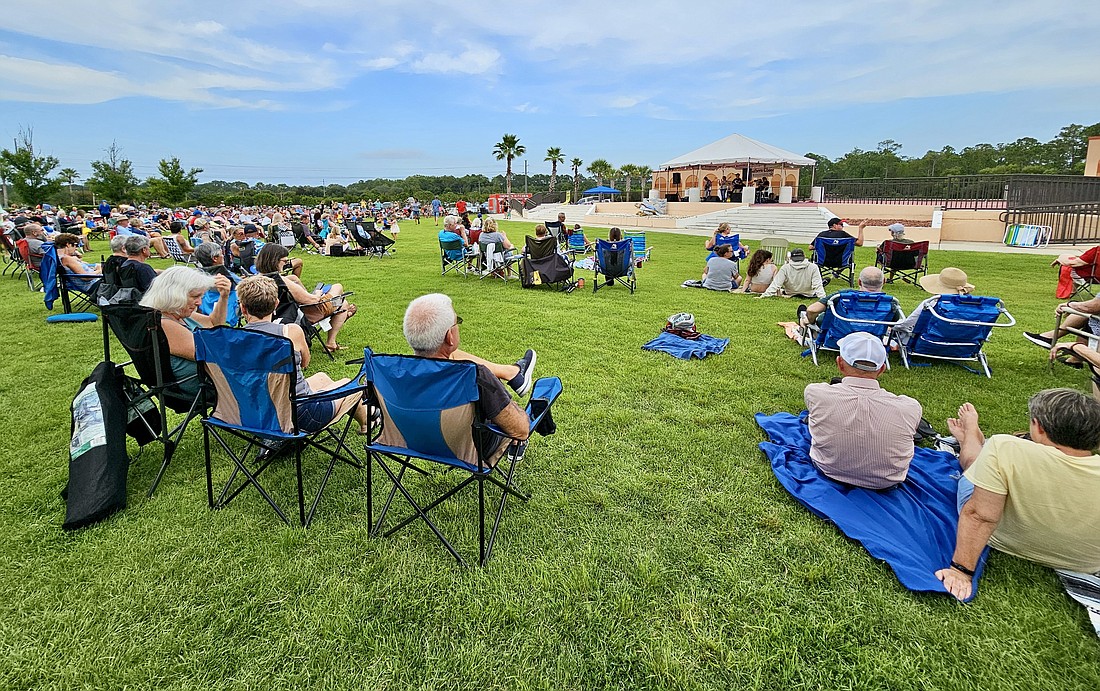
{"type": "Point", "coordinates": [337, 90]}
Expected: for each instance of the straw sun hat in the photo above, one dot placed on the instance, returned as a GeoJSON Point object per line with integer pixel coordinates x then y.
{"type": "Point", "coordinates": [950, 281]}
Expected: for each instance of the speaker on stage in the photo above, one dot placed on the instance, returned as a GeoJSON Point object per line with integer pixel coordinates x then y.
{"type": "Point", "coordinates": [672, 197]}
{"type": "Point", "coordinates": [675, 178]}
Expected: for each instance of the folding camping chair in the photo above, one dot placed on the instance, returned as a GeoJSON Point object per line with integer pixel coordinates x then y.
{"type": "Point", "coordinates": [641, 250]}
{"type": "Point", "coordinates": [778, 247]}
{"type": "Point", "coordinates": [835, 257]}
{"type": "Point", "coordinates": [495, 261]}
{"type": "Point", "coordinates": [286, 239]}
{"type": "Point", "coordinates": [1083, 277]}
{"type": "Point", "coordinates": [954, 328]}
{"type": "Point", "coordinates": [734, 241]}
{"type": "Point", "coordinates": [12, 259]}
{"type": "Point", "coordinates": [849, 311]}
{"type": "Point", "coordinates": [257, 411]}
{"type": "Point", "coordinates": [138, 330]}
{"type": "Point", "coordinates": [57, 281]}
{"type": "Point", "coordinates": [430, 415]}
{"type": "Point", "coordinates": [373, 242]}
{"type": "Point", "coordinates": [557, 230]}
{"type": "Point", "coordinates": [576, 244]}
{"type": "Point", "coordinates": [175, 251]}
{"type": "Point", "coordinates": [455, 257]}
{"type": "Point", "coordinates": [29, 264]}
{"type": "Point", "coordinates": [615, 260]}
{"type": "Point", "coordinates": [907, 261]}
{"type": "Point", "coordinates": [542, 264]}
{"type": "Point", "coordinates": [1091, 339]}
{"type": "Point", "coordinates": [289, 311]}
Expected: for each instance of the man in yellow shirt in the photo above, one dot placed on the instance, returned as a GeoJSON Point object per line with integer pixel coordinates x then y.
{"type": "Point", "coordinates": [1035, 499]}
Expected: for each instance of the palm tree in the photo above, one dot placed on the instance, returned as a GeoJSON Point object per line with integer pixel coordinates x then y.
{"type": "Point", "coordinates": [68, 175]}
{"type": "Point", "coordinates": [508, 148]}
{"type": "Point", "coordinates": [628, 171]}
{"type": "Point", "coordinates": [553, 154]}
{"type": "Point", "coordinates": [576, 163]}
{"type": "Point", "coordinates": [601, 169]}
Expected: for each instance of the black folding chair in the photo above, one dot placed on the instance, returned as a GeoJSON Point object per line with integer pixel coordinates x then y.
{"type": "Point", "coordinates": [157, 390]}
{"type": "Point", "coordinates": [370, 239]}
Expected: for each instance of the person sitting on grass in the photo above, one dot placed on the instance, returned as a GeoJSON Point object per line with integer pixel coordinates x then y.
{"type": "Point", "coordinates": [258, 296]}
{"type": "Point", "coordinates": [1032, 498]}
{"type": "Point", "coordinates": [720, 273]}
{"type": "Point", "coordinates": [760, 273]}
{"type": "Point", "coordinates": [316, 306]}
{"type": "Point", "coordinates": [798, 276]}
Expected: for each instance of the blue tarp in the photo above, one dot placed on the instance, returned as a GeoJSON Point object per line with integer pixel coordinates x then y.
{"type": "Point", "coordinates": [911, 527]}
{"type": "Point", "coordinates": [686, 348]}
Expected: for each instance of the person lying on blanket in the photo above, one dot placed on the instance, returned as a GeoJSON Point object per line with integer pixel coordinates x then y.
{"type": "Point", "coordinates": [1033, 498]}
{"type": "Point", "coordinates": [861, 434]}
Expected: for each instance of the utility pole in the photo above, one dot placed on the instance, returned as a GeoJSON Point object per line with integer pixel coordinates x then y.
{"type": "Point", "coordinates": [525, 176]}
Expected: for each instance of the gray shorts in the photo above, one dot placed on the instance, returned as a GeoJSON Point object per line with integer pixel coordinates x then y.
{"type": "Point", "coordinates": [1094, 325]}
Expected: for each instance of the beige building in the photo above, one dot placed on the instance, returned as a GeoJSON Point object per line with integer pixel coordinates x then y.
{"type": "Point", "coordinates": [1092, 158]}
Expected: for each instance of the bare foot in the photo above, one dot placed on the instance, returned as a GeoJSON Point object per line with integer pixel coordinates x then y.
{"type": "Point", "coordinates": [968, 416]}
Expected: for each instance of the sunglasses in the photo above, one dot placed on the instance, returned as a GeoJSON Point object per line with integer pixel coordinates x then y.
{"type": "Point", "coordinates": [458, 320]}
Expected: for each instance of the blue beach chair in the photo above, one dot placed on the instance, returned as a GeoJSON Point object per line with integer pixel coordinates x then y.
{"type": "Point", "coordinates": [849, 311]}
{"type": "Point", "coordinates": [257, 412]}
{"type": "Point", "coordinates": [615, 261]}
{"type": "Point", "coordinates": [430, 415]}
{"type": "Point", "coordinates": [734, 241]}
{"type": "Point", "coordinates": [835, 257]}
{"type": "Point", "coordinates": [641, 249]}
{"type": "Point", "coordinates": [954, 328]}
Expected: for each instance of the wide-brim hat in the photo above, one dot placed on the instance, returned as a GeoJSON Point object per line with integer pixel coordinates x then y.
{"type": "Point", "coordinates": [947, 282]}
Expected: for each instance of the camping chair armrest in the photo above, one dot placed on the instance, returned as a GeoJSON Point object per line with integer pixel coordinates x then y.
{"type": "Point", "coordinates": [358, 383]}
{"type": "Point", "coordinates": [545, 389]}
{"type": "Point", "coordinates": [999, 324]}
{"type": "Point", "coordinates": [1067, 310]}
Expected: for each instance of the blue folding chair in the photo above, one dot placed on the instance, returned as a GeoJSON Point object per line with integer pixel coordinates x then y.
{"type": "Point", "coordinates": [615, 260]}
{"type": "Point", "coordinates": [734, 241]}
{"type": "Point", "coordinates": [835, 257]}
{"type": "Point", "coordinates": [576, 243]}
{"type": "Point", "coordinates": [641, 249]}
{"type": "Point", "coordinates": [57, 281]}
{"type": "Point", "coordinates": [954, 328]}
{"type": "Point", "coordinates": [849, 311]}
{"type": "Point", "coordinates": [254, 375]}
{"type": "Point", "coordinates": [430, 414]}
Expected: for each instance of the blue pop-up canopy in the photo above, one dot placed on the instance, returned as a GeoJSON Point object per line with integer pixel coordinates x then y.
{"type": "Point", "coordinates": [602, 189]}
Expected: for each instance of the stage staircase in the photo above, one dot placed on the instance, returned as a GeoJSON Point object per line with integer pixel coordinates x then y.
{"type": "Point", "coordinates": [798, 224]}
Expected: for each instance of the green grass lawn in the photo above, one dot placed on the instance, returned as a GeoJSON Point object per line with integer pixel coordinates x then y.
{"type": "Point", "coordinates": [657, 551]}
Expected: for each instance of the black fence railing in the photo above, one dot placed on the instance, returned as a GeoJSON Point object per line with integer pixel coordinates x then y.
{"type": "Point", "coordinates": [967, 191]}
{"type": "Point", "coordinates": [1070, 223]}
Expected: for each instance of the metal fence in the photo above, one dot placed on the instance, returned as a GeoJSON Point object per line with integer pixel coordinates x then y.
{"type": "Point", "coordinates": [1072, 223]}
{"type": "Point", "coordinates": [967, 191]}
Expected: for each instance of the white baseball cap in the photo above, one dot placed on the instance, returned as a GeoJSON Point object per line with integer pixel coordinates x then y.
{"type": "Point", "coordinates": [863, 351]}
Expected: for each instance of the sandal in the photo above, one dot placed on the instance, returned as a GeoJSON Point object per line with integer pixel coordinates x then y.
{"type": "Point", "coordinates": [333, 349]}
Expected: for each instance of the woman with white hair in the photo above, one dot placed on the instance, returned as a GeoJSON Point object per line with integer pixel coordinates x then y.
{"type": "Point", "coordinates": [177, 293]}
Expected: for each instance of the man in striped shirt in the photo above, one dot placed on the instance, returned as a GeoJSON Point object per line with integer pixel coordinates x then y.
{"type": "Point", "coordinates": [861, 434]}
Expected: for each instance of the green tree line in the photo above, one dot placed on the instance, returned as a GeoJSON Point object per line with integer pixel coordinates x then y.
{"type": "Point", "coordinates": [30, 177]}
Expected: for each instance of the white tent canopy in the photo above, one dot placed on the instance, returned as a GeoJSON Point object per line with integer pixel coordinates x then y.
{"type": "Point", "coordinates": [736, 149]}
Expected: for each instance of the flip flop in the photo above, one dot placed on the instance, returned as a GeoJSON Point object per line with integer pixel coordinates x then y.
{"type": "Point", "coordinates": [333, 349]}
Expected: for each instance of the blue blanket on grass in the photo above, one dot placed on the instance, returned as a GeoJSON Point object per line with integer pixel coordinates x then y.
{"type": "Point", "coordinates": [912, 527]}
{"type": "Point", "coordinates": [687, 348]}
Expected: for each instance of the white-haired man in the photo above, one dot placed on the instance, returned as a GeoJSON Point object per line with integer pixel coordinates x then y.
{"type": "Point", "coordinates": [870, 281]}
{"type": "Point", "coordinates": [431, 327]}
